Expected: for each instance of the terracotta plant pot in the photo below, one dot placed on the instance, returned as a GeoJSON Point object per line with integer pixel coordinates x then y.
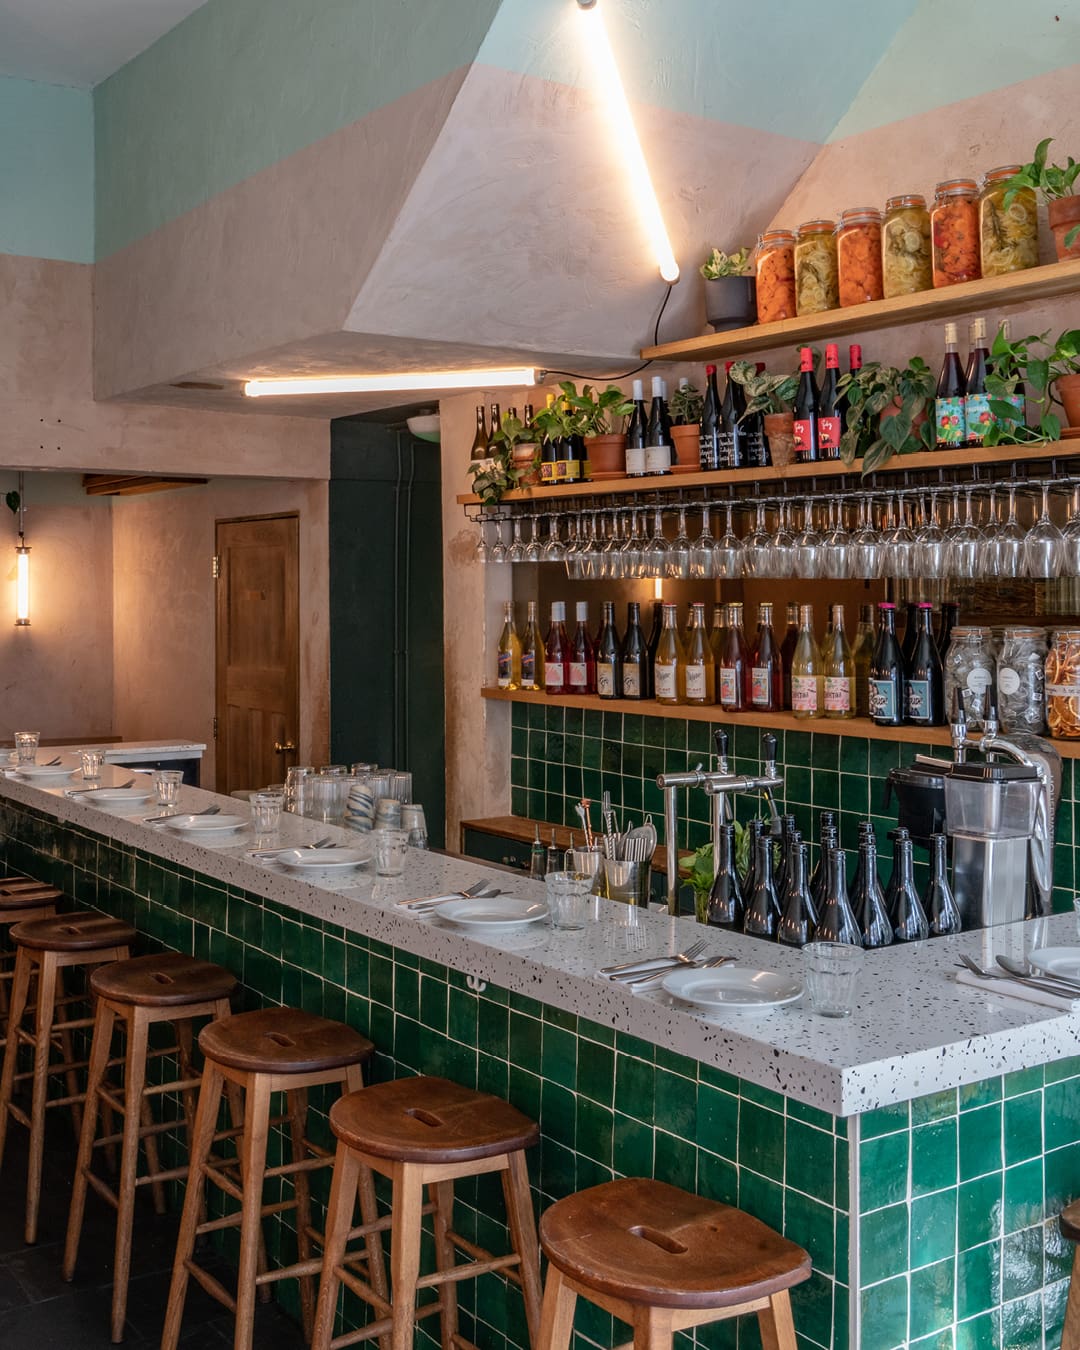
{"type": "Point", "coordinates": [607, 456]}
{"type": "Point", "coordinates": [687, 443]}
{"type": "Point", "coordinates": [1064, 215]}
{"type": "Point", "coordinates": [1068, 390]}
{"type": "Point", "coordinates": [526, 456]}
{"type": "Point", "coordinates": [780, 433]}
{"type": "Point", "coordinates": [730, 302]}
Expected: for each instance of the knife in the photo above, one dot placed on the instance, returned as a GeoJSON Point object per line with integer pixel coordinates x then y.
{"type": "Point", "coordinates": [641, 965]}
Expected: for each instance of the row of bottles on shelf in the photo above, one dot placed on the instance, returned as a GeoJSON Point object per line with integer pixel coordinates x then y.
{"type": "Point", "coordinates": [877, 676]}
{"type": "Point", "coordinates": [779, 898]}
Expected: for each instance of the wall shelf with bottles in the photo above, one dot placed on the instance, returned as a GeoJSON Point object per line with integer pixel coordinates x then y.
{"type": "Point", "coordinates": [967, 297]}
{"type": "Point", "coordinates": [780, 721]}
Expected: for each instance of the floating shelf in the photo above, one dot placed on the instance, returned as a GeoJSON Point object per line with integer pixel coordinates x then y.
{"type": "Point", "coordinates": [1036, 283]}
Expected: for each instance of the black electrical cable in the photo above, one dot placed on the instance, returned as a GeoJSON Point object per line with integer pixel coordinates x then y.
{"type": "Point", "coordinates": [578, 375]}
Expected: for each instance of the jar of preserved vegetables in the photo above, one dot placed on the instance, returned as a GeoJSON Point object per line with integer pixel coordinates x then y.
{"type": "Point", "coordinates": [1063, 685]}
{"type": "Point", "coordinates": [969, 666]}
{"type": "Point", "coordinates": [906, 264]}
{"type": "Point", "coordinates": [1021, 680]}
{"type": "Point", "coordinates": [858, 256]}
{"type": "Point", "coordinates": [775, 268]}
{"type": "Point", "coordinates": [1008, 235]}
{"type": "Point", "coordinates": [815, 268]}
{"type": "Point", "coordinates": [954, 223]}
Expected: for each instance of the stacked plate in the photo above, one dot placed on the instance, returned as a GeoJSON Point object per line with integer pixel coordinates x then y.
{"type": "Point", "coordinates": [502, 914]}
{"type": "Point", "coordinates": [46, 773]}
{"type": "Point", "coordinates": [325, 862]}
{"type": "Point", "coordinates": [753, 993]}
{"type": "Point", "coordinates": [127, 800]}
{"type": "Point", "coordinates": [206, 825]}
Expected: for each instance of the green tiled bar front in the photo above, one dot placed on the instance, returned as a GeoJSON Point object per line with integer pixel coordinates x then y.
{"type": "Point", "coordinates": [946, 1204]}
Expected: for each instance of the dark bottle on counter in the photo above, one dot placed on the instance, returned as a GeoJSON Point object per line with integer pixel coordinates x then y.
{"type": "Point", "coordinates": [896, 835]}
{"type": "Point", "coordinates": [805, 410]}
{"type": "Point", "coordinates": [909, 918]}
{"type": "Point", "coordinates": [762, 910]}
{"type": "Point", "coordinates": [637, 434]}
{"type": "Point", "coordinates": [787, 651]}
{"type": "Point", "coordinates": [887, 672]}
{"type": "Point", "coordinates": [634, 655]}
{"type": "Point", "coordinates": [830, 419]}
{"type": "Point", "coordinates": [797, 924]}
{"type": "Point", "coordinates": [557, 652]}
{"type": "Point", "coordinates": [907, 643]}
{"type": "Point", "coordinates": [710, 423]}
{"type": "Point", "coordinates": [867, 897]}
{"type": "Point", "coordinates": [726, 909]}
{"type": "Point", "coordinates": [731, 430]}
{"type": "Point", "coordinates": [648, 675]}
{"type": "Point", "coordinates": [925, 695]}
{"type": "Point", "coordinates": [583, 654]}
{"type": "Point", "coordinates": [756, 828]}
{"type": "Point", "coordinates": [658, 438]}
{"type": "Point", "coordinates": [755, 442]}
{"type": "Point", "coordinates": [836, 923]}
{"type": "Point", "coordinates": [608, 656]}
{"type": "Point", "coordinates": [950, 428]}
{"type": "Point", "coordinates": [949, 615]}
{"type": "Point", "coordinates": [782, 841]}
{"type": "Point", "coordinates": [766, 670]}
{"type": "Point", "coordinates": [826, 828]}
{"type": "Point", "coordinates": [939, 903]}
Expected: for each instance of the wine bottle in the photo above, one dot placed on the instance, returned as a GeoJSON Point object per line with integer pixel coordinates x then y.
{"type": "Point", "coordinates": [896, 836]}
{"type": "Point", "coordinates": [658, 434]}
{"type": "Point", "coordinates": [805, 409]}
{"type": "Point", "coordinates": [797, 926]}
{"type": "Point", "coordinates": [725, 908]}
{"type": "Point", "coordinates": [761, 912]}
{"type": "Point", "coordinates": [783, 843]}
{"type": "Point", "coordinates": [480, 439]}
{"type": "Point", "coordinates": [582, 654]}
{"type": "Point", "coordinates": [565, 462]}
{"type": "Point", "coordinates": [649, 672]}
{"type": "Point", "coordinates": [549, 451]}
{"type": "Point", "coordinates": [862, 654]}
{"type": "Point", "coordinates": [807, 670]}
{"type": "Point", "coordinates": [732, 454]}
{"type": "Point", "coordinates": [634, 655]}
{"type": "Point", "coordinates": [710, 423]}
{"type": "Point", "coordinates": [669, 667]}
{"type": "Point", "coordinates": [766, 670]}
{"type": "Point", "coordinates": [836, 923]}
{"type": "Point", "coordinates": [907, 644]}
{"type": "Point", "coordinates": [637, 434]}
{"type": "Point", "coordinates": [700, 670]}
{"type": "Point", "coordinates": [509, 651]}
{"type": "Point", "coordinates": [755, 442]}
{"type": "Point", "coordinates": [732, 668]}
{"type": "Point", "coordinates": [924, 677]}
{"type": "Point", "coordinates": [826, 840]}
{"type": "Point", "coordinates": [887, 672]}
{"type": "Point", "coordinates": [580, 464]}
{"type": "Point", "coordinates": [716, 637]}
{"type": "Point", "coordinates": [756, 829]}
{"type": "Point", "coordinates": [830, 422]}
{"type": "Point", "coordinates": [950, 429]}
{"type": "Point", "coordinates": [977, 418]}
{"type": "Point", "coordinates": [608, 656]}
{"type": "Point", "coordinates": [557, 652]}
{"type": "Point", "coordinates": [949, 615]}
{"type": "Point", "coordinates": [787, 651]}
{"type": "Point", "coordinates": [532, 652]}
{"type": "Point", "coordinates": [910, 923]}
{"type": "Point", "coordinates": [939, 904]}
{"type": "Point", "coordinates": [839, 667]}
{"type": "Point", "coordinates": [868, 899]}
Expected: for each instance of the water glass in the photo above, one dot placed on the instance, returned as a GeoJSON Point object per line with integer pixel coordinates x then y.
{"type": "Point", "coordinates": [266, 808]}
{"type": "Point", "coordinates": [336, 769]}
{"type": "Point", "coordinates": [388, 814]}
{"type": "Point", "coordinates": [401, 785]}
{"type": "Point", "coordinates": [324, 796]}
{"type": "Point", "coordinates": [390, 846]}
{"type": "Point", "coordinates": [92, 760]}
{"type": "Point", "coordinates": [567, 896]}
{"type": "Point", "coordinates": [414, 823]}
{"type": "Point", "coordinates": [294, 779]}
{"type": "Point", "coordinates": [26, 746]}
{"type": "Point", "coordinates": [167, 782]}
{"type": "Point", "coordinates": [360, 768]}
{"type": "Point", "coordinates": [832, 973]}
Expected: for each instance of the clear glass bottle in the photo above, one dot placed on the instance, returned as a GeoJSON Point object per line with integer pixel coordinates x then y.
{"type": "Point", "coordinates": [725, 908]}
{"type": "Point", "coordinates": [669, 667]}
{"type": "Point", "coordinates": [557, 652]}
{"type": "Point", "coordinates": [532, 651]}
{"type": "Point", "coordinates": [909, 919]}
{"type": "Point", "coordinates": [756, 830]}
{"type": "Point", "coordinates": [761, 911]}
{"type": "Point", "coordinates": [807, 670]}
{"type": "Point", "coordinates": [839, 666]}
{"type": "Point", "coordinates": [836, 923]}
{"type": "Point", "coordinates": [700, 671]}
{"type": "Point", "coordinates": [906, 254]}
{"type": "Point", "coordinates": [862, 653]}
{"type": "Point", "coordinates": [733, 667]}
{"type": "Point", "coordinates": [766, 669]}
{"type": "Point", "coordinates": [1008, 235]}
{"type": "Point", "coordinates": [939, 903]}
{"type": "Point", "coordinates": [509, 651]}
{"type": "Point", "coordinates": [826, 840]}
{"type": "Point", "coordinates": [797, 926]}
{"type": "Point", "coordinates": [954, 226]}
{"type": "Point", "coordinates": [868, 899]}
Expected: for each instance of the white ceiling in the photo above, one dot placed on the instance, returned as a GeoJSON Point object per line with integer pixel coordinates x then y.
{"type": "Point", "coordinates": [80, 42]}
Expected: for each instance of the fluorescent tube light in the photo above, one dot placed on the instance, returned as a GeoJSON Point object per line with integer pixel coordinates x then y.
{"type": "Point", "coordinates": [22, 585]}
{"type": "Point", "coordinates": [484, 378]}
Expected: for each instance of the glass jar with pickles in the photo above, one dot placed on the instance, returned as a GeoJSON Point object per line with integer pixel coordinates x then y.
{"type": "Point", "coordinates": [775, 268]}
{"type": "Point", "coordinates": [954, 224]}
{"type": "Point", "coordinates": [858, 256]}
{"type": "Point", "coordinates": [815, 268]}
{"type": "Point", "coordinates": [1063, 685]}
{"type": "Point", "coordinates": [1008, 235]}
{"type": "Point", "coordinates": [906, 263]}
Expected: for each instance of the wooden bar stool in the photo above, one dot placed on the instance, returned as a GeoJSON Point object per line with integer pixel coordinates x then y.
{"type": "Point", "coordinates": [45, 948]}
{"type": "Point", "coordinates": [274, 1050]}
{"type": "Point", "coordinates": [21, 898]}
{"type": "Point", "coordinates": [1069, 1223]}
{"type": "Point", "coordinates": [423, 1132]}
{"type": "Point", "coordinates": [663, 1260]}
{"type": "Point", "coordinates": [139, 993]}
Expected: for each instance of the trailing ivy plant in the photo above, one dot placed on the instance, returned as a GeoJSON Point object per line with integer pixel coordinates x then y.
{"type": "Point", "coordinates": [1029, 365]}
{"type": "Point", "coordinates": [1050, 180]}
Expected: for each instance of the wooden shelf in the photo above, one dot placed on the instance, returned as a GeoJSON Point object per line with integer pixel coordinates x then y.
{"type": "Point", "coordinates": [931, 459]}
{"type": "Point", "coordinates": [1036, 283]}
{"type": "Point", "coordinates": [783, 721]}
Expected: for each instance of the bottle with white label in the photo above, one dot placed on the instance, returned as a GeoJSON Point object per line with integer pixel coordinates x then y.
{"type": "Point", "coordinates": [733, 665]}
{"type": "Point", "coordinates": [509, 651]}
{"type": "Point", "coordinates": [766, 673]}
{"type": "Point", "coordinates": [669, 667]}
{"type": "Point", "coordinates": [635, 655]}
{"type": "Point", "coordinates": [887, 694]}
{"type": "Point", "coordinates": [924, 687]}
{"type": "Point", "coordinates": [532, 652]}
{"type": "Point", "coordinates": [658, 439]}
{"type": "Point", "coordinates": [608, 656]}
{"type": "Point", "coordinates": [582, 654]}
{"type": "Point", "coordinates": [700, 670]}
{"type": "Point", "coordinates": [637, 434]}
{"type": "Point", "coordinates": [557, 652]}
{"type": "Point", "coordinates": [807, 669]}
{"type": "Point", "coordinates": [839, 669]}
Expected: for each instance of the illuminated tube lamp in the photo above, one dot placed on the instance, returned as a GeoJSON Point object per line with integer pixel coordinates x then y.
{"type": "Point", "coordinates": [512, 377]}
{"type": "Point", "coordinates": [22, 584]}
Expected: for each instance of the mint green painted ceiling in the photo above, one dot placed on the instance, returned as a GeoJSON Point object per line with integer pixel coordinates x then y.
{"type": "Point", "coordinates": [46, 171]}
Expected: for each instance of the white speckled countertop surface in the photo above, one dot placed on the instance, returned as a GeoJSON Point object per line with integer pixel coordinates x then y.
{"type": "Point", "coordinates": [914, 1031]}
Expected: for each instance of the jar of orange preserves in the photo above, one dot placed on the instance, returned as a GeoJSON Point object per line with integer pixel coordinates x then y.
{"type": "Point", "coordinates": [815, 268]}
{"type": "Point", "coordinates": [954, 225]}
{"type": "Point", "coordinates": [1063, 685]}
{"type": "Point", "coordinates": [1008, 235]}
{"type": "Point", "coordinates": [858, 256]}
{"type": "Point", "coordinates": [905, 246]}
{"type": "Point", "coordinates": [775, 268]}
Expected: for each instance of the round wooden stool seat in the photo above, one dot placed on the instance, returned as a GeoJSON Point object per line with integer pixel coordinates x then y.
{"type": "Point", "coordinates": [283, 1040]}
{"type": "Point", "coordinates": [166, 980]}
{"type": "Point", "coordinates": [27, 897]}
{"type": "Point", "coordinates": [1069, 1221]}
{"type": "Point", "coordinates": [72, 933]}
{"type": "Point", "coordinates": [654, 1244]}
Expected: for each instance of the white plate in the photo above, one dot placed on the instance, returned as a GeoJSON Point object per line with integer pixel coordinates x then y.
{"type": "Point", "coordinates": [1057, 961]}
{"type": "Point", "coordinates": [324, 859]}
{"type": "Point", "coordinates": [206, 824]}
{"type": "Point", "coordinates": [118, 799]}
{"type": "Point", "coordinates": [733, 989]}
{"type": "Point", "coordinates": [32, 771]}
{"type": "Point", "coordinates": [503, 912]}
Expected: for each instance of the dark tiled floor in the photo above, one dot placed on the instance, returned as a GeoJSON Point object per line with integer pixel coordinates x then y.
{"type": "Point", "coordinates": [38, 1311]}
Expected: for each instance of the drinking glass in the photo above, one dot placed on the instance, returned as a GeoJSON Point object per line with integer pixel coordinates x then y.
{"type": "Point", "coordinates": [756, 547]}
{"type": "Point", "coordinates": [701, 554]}
{"type": "Point", "coordinates": [1009, 544]}
{"type": "Point", "coordinates": [294, 778]}
{"type": "Point", "coordinates": [678, 558]}
{"type": "Point", "coordinates": [782, 546]}
{"type": "Point", "coordinates": [611, 562]}
{"type": "Point", "coordinates": [808, 553]}
{"type": "Point", "coordinates": [727, 554]}
{"type": "Point", "coordinates": [631, 550]}
{"type": "Point", "coordinates": [832, 973]}
{"type": "Point", "coordinates": [1070, 539]}
{"type": "Point", "coordinates": [532, 548]}
{"type": "Point", "coordinates": [930, 544]}
{"type": "Point", "coordinates": [387, 814]}
{"type": "Point", "coordinates": [481, 553]}
{"type": "Point", "coordinates": [26, 746]}
{"type": "Point", "coordinates": [900, 546]}
{"type": "Point", "coordinates": [498, 551]}
{"type": "Point", "coordinates": [571, 558]}
{"type": "Point", "coordinates": [866, 543]}
{"type": "Point", "coordinates": [567, 895]}
{"type": "Point", "coordinates": [654, 558]}
{"type": "Point", "coordinates": [266, 810]}
{"type": "Point", "coordinates": [590, 552]}
{"type": "Point", "coordinates": [516, 551]}
{"type": "Point", "coordinates": [553, 549]}
{"type": "Point", "coordinates": [92, 760]}
{"type": "Point", "coordinates": [335, 769]}
{"type": "Point", "coordinates": [838, 553]}
{"type": "Point", "coordinates": [401, 785]}
{"type": "Point", "coordinates": [390, 846]}
{"type": "Point", "coordinates": [1044, 546]}
{"type": "Point", "coordinates": [167, 782]}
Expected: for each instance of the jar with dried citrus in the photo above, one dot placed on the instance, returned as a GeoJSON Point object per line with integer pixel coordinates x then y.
{"type": "Point", "coordinates": [816, 287]}
{"type": "Point", "coordinates": [1008, 235]}
{"type": "Point", "coordinates": [954, 223]}
{"type": "Point", "coordinates": [1063, 685]}
{"type": "Point", "coordinates": [858, 256]}
{"type": "Point", "coordinates": [906, 264]}
{"type": "Point", "coordinates": [775, 268]}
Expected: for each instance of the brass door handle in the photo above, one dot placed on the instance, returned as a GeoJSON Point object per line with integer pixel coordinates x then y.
{"type": "Point", "coordinates": [287, 749]}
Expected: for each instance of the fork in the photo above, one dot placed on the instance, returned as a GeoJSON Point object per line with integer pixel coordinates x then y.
{"type": "Point", "coordinates": [710, 962]}
{"type": "Point", "coordinates": [78, 792]}
{"type": "Point", "coordinates": [158, 820]}
{"type": "Point", "coordinates": [325, 842]}
{"type": "Point", "coordinates": [1041, 985]}
{"type": "Point", "coordinates": [638, 967]}
{"type": "Point", "coordinates": [483, 890]}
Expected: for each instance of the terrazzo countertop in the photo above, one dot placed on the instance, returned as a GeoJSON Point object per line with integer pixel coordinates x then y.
{"type": "Point", "coordinates": [913, 1032]}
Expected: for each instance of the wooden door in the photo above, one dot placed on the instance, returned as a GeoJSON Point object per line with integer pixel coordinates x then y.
{"type": "Point", "coordinates": [258, 650]}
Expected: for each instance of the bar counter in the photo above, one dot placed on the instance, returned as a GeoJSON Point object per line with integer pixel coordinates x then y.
{"type": "Point", "coordinates": [920, 1150]}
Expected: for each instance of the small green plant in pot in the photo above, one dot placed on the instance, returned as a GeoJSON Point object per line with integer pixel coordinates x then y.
{"type": "Point", "coordinates": [1046, 374]}
{"type": "Point", "coordinates": [686, 405]}
{"type": "Point", "coordinates": [730, 289]}
{"type": "Point", "coordinates": [886, 413]}
{"type": "Point", "coordinates": [520, 448]}
{"type": "Point", "coordinates": [771, 395]}
{"type": "Point", "coordinates": [1057, 187]}
{"type": "Point", "coordinates": [599, 416]}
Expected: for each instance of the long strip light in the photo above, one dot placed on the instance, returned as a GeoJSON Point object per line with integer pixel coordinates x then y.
{"type": "Point", "coordinates": [512, 377]}
{"type": "Point", "coordinates": [22, 567]}
{"type": "Point", "coordinates": [609, 84]}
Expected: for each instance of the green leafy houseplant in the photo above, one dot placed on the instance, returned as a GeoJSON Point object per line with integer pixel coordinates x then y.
{"type": "Point", "coordinates": [497, 474]}
{"type": "Point", "coordinates": [595, 413]}
{"type": "Point", "coordinates": [1051, 181]}
{"type": "Point", "coordinates": [872, 429]}
{"type": "Point", "coordinates": [721, 264]}
{"type": "Point", "coordinates": [686, 405]}
{"type": "Point", "coordinates": [1035, 363]}
{"type": "Point", "coordinates": [765, 392]}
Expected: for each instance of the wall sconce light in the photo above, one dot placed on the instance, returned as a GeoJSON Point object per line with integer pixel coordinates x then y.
{"type": "Point", "coordinates": [22, 560]}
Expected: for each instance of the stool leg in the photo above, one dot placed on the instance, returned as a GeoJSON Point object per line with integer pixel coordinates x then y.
{"type": "Point", "coordinates": [557, 1316]}
{"type": "Point", "coordinates": [776, 1323]}
{"type": "Point", "coordinates": [653, 1329]}
{"type": "Point", "coordinates": [11, 1049]}
{"type": "Point", "coordinates": [99, 1058]}
{"type": "Point", "coordinates": [185, 1039]}
{"type": "Point", "coordinates": [46, 1004]}
{"type": "Point", "coordinates": [373, 1242]}
{"type": "Point", "coordinates": [442, 1196]}
{"type": "Point", "coordinates": [253, 1168]}
{"type": "Point", "coordinates": [339, 1214]}
{"type": "Point", "coordinates": [297, 1110]}
{"type": "Point", "coordinates": [408, 1204]}
{"type": "Point", "coordinates": [1070, 1334]}
{"type": "Point", "coordinates": [519, 1212]}
{"type": "Point", "coordinates": [205, 1124]}
{"type": "Point", "coordinates": [71, 1078]}
{"type": "Point", "coordinates": [134, 1081]}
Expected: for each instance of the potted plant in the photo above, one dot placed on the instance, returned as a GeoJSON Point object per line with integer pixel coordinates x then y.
{"type": "Point", "coordinates": [599, 416]}
{"type": "Point", "coordinates": [522, 447]}
{"type": "Point", "coordinates": [730, 289]}
{"type": "Point", "coordinates": [1056, 186]}
{"type": "Point", "coordinates": [771, 395]}
{"type": "Point", "coordinates": [1030, 367]}
{"type": "Point", "coordinates": [493, 477]}
{"type": "Point", "coordinates": [686, 406]}
{"type": "Point", "coordinates": [886, 412]}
